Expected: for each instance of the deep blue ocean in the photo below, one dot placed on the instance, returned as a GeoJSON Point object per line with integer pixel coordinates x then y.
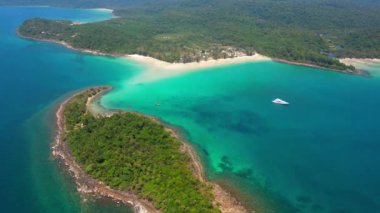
{"type": "Point", "coordinates": [319, 154]}
{"type": "Point", "coordinates": [34, 76]}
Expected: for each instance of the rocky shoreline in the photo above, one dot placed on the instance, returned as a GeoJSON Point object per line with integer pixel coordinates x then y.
{"type": "Point", "coordinates": [87, 185]}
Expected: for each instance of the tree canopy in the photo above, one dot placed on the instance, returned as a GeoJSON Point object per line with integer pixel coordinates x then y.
{"type": "Point", "coordinates": [315, 32]}
{"type": "Point", "coordinates": [133, 153]}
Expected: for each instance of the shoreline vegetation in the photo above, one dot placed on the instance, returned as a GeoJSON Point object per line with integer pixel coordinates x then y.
{"type": "Point", "coordinates": [166, 35]}
{"type": "Point", "coordinates": [308, 33]}
{"type": "Point", "coordinates": [62, 149]}
{"type": "Point", "coordinates": [348, 71]}
{"type": "Point", "coordinates": [168, 68]}
{"type": "Point", "coordinates": [86, 184]}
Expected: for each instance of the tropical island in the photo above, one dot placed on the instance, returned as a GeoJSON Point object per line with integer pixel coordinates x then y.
{"type": "Point", "coordinates": [133, 159]}
{"type": "Point", "coordinates": [140, 161]}
{"type": "Point", "coordinates": [315, 33]}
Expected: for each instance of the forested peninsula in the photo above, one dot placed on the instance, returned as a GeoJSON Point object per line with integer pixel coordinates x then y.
{"type": "Point", "coordinates": [134, 159]}
{"type": "Point", "coordinates": [316, 32]}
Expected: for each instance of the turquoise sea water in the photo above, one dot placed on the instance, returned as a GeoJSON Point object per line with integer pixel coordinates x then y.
{"type": "Point", "coordinates": [320, 154]}
{"type": "Point", "coordinates": [317, 155]}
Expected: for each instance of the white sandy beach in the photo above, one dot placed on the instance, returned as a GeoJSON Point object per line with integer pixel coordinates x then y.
{"type": "Point", "coordinates": [156, 69]}
{"type": "Point", "coordinates": [104, 9]}
{"type": "Point", "coordinates": [362, 63]}
{"type": "Point", "coordinates": [359, 61]}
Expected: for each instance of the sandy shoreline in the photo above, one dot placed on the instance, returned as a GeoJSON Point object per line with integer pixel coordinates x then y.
{"type": "Point", "coordinates": [104, 9]}
{"type": "Point", "coordinates": [359, 61]}
{"type": "Point", "coordinates": [86, 185]}
{"type": "Point", "coordinates": [225, 200]}
{"type": "Point", "coordinates": [152, 62]}
{"type": "Point", "coordinates": [156, 63]}
{"type": "Point", "coordinates": [155, 69]}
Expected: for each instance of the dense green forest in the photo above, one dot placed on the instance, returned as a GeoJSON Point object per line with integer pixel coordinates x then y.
{"type": "Point", "coordinates": [315, 31]}
{"type": "Point", "coordinates": [132, 153]}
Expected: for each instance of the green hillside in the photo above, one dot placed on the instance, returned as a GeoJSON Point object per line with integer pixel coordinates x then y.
{"type": "Point", "coordinates": [314, 32]}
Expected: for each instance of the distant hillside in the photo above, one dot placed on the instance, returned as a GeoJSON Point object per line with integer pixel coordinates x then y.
{"type": "Point", "coordinates": [73, 3]}
{"type": "Point", "coordinates": [126, 3]}
{"type": "Point", "coordinates": [182, 30]}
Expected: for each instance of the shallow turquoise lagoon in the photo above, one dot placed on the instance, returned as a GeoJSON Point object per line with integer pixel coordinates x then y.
{"type": "Point", "coordinates": [320, 154]}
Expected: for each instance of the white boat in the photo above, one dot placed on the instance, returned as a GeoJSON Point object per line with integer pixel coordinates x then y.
{"type": "Point", "coordinates": [279, 101]}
